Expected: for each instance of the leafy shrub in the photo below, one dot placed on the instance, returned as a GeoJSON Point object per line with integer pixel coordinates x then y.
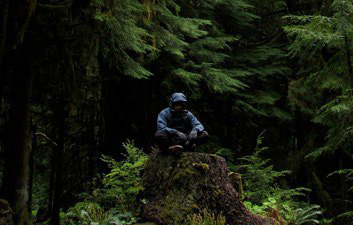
{"type": "Point", "coordinates": [122, 184]}
{"type": "Point", "coordinates": [261, 193]}
{"type": "Point", "coordinates": [85, 213]}
{"type": "Point", "coordinates": [90, 213]}
{"type": "Point", "coordinates": [259, 178]}
{"type": "Point", "coordinates": [112, 203]}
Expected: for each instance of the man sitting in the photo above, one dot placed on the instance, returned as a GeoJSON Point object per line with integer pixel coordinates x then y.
{"type": "Point", "coordinates": [177, 128]}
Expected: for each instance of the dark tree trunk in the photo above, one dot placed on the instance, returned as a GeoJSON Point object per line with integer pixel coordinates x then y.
{"type": "Point", "coordinates": [178, 186]}
{"type": "Point", "coordinates": [31, 167]}
{"type": "Point", "coordinates": [51, 184]}
{"type": "Point", "coordinates": [60, 114]}
{"type": "Point", "coordinates": [92, 154]}
{"type": "Point", "coordinates": [14, 21]}
{"type": "Point", "coordinates": [52, 174]}
{"type": "Point", "coordinates": [4, 7]}
{"type": "Point", "coordinates": [15, 180]}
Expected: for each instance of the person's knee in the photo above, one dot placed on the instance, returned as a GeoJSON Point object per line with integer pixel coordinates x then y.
{"type": "Point", "coordinates": [204, 134]}
{"type": "Point", "coordinates": [202, 137]}
{"type": "Point", "coordinates": [160, 134]}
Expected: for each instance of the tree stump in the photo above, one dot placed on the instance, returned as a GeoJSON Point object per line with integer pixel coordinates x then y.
{"type": "Point", "coordinates": [177, 186]}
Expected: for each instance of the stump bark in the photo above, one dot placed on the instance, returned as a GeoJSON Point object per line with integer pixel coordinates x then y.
{"type": "Point", "coordinates": [176, 187]}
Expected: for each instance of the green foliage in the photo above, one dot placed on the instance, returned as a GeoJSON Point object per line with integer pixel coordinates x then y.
{"type": "Point", "coordinates": [113, 203]}
{"type": "Point", "coordinates": [311, 34]}
{"type": "Point", "coordinates": [196, 44]}
{"type": "Point", "coordinates": [201, 47]}
{"type": "Point", "coordinates": [315, 38]}
{"type": "Point", "coordinates": [281, 199]}
{"type": "Point", "coordinates": [123, 36]}
{"type": "Point", "coordinates": [122, 184]}
{"type": "Point", "coordinates": [326, 221]}
{"type": "Point", "coordinates": [262, 193]}
{"type": "Point", "coordinates": [262, 208]}
{"type": "Point", "coordinates": [85, 213]}
{"type": "Point", "coordinates": [231, 59]}
{"type": "Point", "coordinates": [207, 218]}
{"type": "Point", "coordinates": [91, 213]}
{"type": "Point", "coordinates": [322, 89]}
{"type": "Point", "coordinates": [259, 178]}
{"type": "Point", "coordinates": [346, 215]}
{"type": "Point", "coordinates": [349, 178]}
{"type": "Point", "coordinates": [303, 215]}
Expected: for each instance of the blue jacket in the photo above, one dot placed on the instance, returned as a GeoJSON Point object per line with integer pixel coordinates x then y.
{"type": "Point", "coordinates": [168, 121]}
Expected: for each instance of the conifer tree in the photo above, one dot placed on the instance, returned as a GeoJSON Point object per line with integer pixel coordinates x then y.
{"type": "Point", "coordinates": [322, 44]}
{"type": "Point", "coordinates": [322, 88]}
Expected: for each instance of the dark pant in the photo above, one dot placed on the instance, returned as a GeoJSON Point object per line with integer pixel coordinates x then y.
{"type": "Point", "coordinates": [165, 140]}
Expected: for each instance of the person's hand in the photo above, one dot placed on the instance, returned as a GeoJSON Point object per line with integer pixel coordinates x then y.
{"type": "Point", "coordinates": [193, 135]}
{"type": "Point", "coordinates": [182, 136]}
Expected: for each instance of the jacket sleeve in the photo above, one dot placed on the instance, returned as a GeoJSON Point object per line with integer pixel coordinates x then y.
{"type": "Point", "coordinates": [195, 123]}
{"type": "Point", "coordinates": [162, 124]}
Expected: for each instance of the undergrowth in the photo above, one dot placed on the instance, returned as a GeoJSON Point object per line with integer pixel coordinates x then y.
{"type": "Point", "coordinates": [113, 203]}
{"type": "Point", "coordinates": [263, 195]}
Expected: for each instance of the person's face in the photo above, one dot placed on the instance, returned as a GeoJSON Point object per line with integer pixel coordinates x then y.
{"type": "Point", "coordinates": [178, 106]}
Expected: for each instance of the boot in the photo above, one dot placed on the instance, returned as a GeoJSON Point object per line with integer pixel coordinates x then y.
{"type": "Point", "coordinates": [175, 149]}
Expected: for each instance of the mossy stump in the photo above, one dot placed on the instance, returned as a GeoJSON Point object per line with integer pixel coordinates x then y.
{"type": "Point", "coordinates": [176, 187]}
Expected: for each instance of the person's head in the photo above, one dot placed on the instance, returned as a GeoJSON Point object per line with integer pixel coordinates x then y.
{"type": "Point", "coordinates": [178, 106]}
{"type": "Point", "coordinates": [178, 101]}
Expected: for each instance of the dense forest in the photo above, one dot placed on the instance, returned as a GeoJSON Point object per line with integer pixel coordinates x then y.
{"type": "Point", "coordinates": [82, 83]}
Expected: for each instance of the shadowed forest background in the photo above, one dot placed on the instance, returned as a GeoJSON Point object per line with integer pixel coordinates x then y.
{"type": "Point", "coordinates": [271, 81]}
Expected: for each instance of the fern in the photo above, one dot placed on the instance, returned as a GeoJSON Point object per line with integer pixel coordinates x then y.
{"type": "Point", "coordinates": [86, 213]}
{"type": "Point", "coordinates": [263, 195]}
{"type": "Point", "coordinates": [329, 74]}
{"type": "Point", "coordinates": [122, 184]}
{"type": "Point", "coordinates": [113, 202]}
{"type": "Point", "coordinates": [258, 176]}
{"type": "Point", "coordinates": [304, 215]}
{"type": "Point", "coordinates": [118, 24]}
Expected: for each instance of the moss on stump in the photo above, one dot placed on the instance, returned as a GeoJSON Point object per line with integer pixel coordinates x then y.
{"type": "Point", "coordinates": [176, 187]}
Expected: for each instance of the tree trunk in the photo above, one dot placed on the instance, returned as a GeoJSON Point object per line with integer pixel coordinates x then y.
{"type": "Point", "coordinates": [15, 180]}
{"type": "Point", "coordinates": [325, 7]}
{"type": "Point", "coordinates": [51, 184]}
{"type": "Point", "coordinates": [15, 17]}
{"type": "Point", "coordinates": [4, 7]}
{"type": "Point", "coordinates": [31, 167]}
{"type": "Point", "coordinates": [60, 124]}
{"type": "Point", "coordinates": [176, 187]}
{"type": "Point", "coordinates": [92, 154]}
